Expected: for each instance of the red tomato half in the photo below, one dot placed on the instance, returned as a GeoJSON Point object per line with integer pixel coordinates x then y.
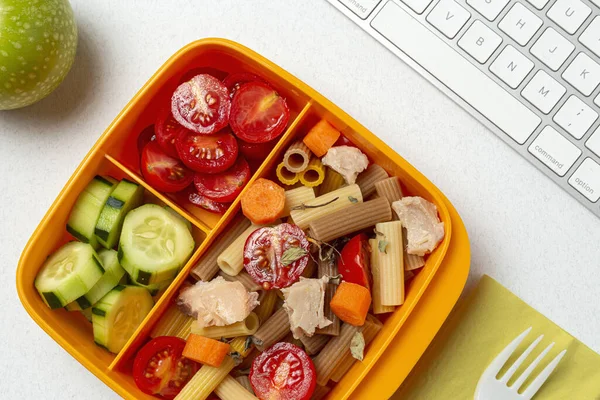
{"type": "Point", "coordinates": [285, 372]}
{"type": "Point", "coordinates": [236, 80]}
{"type": "Point", "coordinates": [192, 196]}
{"type": "Point", "coordinates": [146, 136]}
{"type": "Point", "coordinates": [160, 369]}
{"type": "Point", "coordinates": [201, 104]}
{"type": "Point", "coordinates": [263, 254]}
{"type": "Point", "coordinates": [354, 263]}
{"type": "Point", "coordinates": [256, 151]}
{"type": "Point", "coordinates": [167, 130]}
{"type": "Point", "coordinates": [163, 172]}
{"type": "Point", "coordinates": [258, 113]}
{"type": "Point", "coordinates": [217, 73]}
{"type": "Point", "coordinates": [209, 154]}
{"type": "Point", "coordinates": [224, 187]}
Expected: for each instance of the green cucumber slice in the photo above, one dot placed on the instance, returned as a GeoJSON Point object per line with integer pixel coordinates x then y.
{"type": "Point", "coordinates": [124, 197]}
{"type": "Point", "coordinates": [87, 208]}
{"type": "Point", "coordinates": [154, 244]}
{"type": "Point", "coordinates": [187, 223]}
{"type": "Point", "coordinates": [68, 274]}
{"type": "Point", "coordinates": [87, 313]}
{"type": "Point", "coordinates": [118, 314]}
{"type": "Point", "coordinates": [154, 288]}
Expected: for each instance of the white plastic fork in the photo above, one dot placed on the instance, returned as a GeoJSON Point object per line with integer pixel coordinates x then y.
{"type": "Point", "coordinates": [490, 388]}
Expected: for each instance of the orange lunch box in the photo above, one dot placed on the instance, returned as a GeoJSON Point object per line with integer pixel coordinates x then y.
{"type": "Point", "coordinates": [406, 333]}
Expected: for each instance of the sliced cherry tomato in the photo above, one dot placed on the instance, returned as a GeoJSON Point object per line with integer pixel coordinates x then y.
{"type": "Point", "coordinates": [201, 104]}
{"type": "Point", "coordinates": [209, 154]}
{"type": "Point", "coordinates": [146, 136]}
{"type": "Point", "coordinates": [258, 113]}
{"type": "Point", "coordinates": [234, 81]}
{"type": "Point", "coordinates": [167, 130]}
{"type": "Point", "coordinates": [224, 187]}
{"type": "Point", "coordinates": [264, 250]}
{"type": "Point", "coordinates": [163, 172]}
{"type": "Point", "coordinates": [285, 372]}
{"type": "Point", "coordinates": [343, 141]}
{"type": "Point", "coordinates": [256, 151]}
{"type": "Point", "coordinates": [160, 369]}
{"type": "Point", "coordinates": [217, 73]}
{"type": "Point", "coordinates": [192, 196]}
{"type": "Point", "coordinates": [354, 263]}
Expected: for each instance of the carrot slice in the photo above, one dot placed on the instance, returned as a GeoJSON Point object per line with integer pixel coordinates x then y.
{"type": "Point", "coordinates": [205, 350]}
{"type": "Point", "coordinates": [351, 303]}
{"type": "Point", "coordinates": [321, 137]}
{"type": "Point", "coordinates": [263, 201]}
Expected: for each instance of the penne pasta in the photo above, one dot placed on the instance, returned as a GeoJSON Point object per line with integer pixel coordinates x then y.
{"type": "Point", "coordinates": [247, 327]}
{"type": "Point", "coordinates": [391, 262]}
{"type": "Point", "coordinates": [326, 361]}
{"type": "Point", "coordinates": [245, 382]}
{"type": "Point", "coordinates": [173, 323]}
{"type": "Point", "coordinates": [313, 344]}
{"type": "Point", "coordinates": [231, 389]}
{"type": "Point", "coordinates": [285, 176]}
{"type": "Point", "coordinates": [320, 392]}
{"type": "Point", "coordinates": [244, 278]}
{"type": "Point", "coordinates": [351, 219]}
{"type": "Point", "coordinates": [367, 179]}
{"type": "Point", "coordinates": [296, 197]}
{"type": "Point", "coordinates": [329, 202]}
{"type": "Point", "coordinates": [371, 329]}
{"type": "Point", "coordinates": [378, 307]}
{"type": "Point", "coordinates": [314, 174]}
{"type": "Point", "coordinates": [231, 260]}
{"type": "Point", "coordinates": [310, 268]}
{"type": "Point", "coordinates": [411, 261]}
{"type": "Point", "coordinates": [329, 267]}
{"type": "Point", "coordinates": [272, 331]}
{"type": "Point", "coordinates": [249, 359]}
{"type": "Point", "coordinates": [207, 267]}
{"type": "Point", "coordinates": [296, 157]}
{"type": "Point", "coordinates": [390, 189]}
{"type": "Point", "coordinates": [267, 300]}
{"type": "Point", "coordinates": [289, 338]}
{"type": "Point", "coordinates": [332, 181]}
{"type": "Point", "coordinates": [206, 380]}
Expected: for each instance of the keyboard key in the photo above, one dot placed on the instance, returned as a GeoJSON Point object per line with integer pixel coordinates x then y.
{"type": "Point", "coordinates": [556, 152]}
{"type": "Point", "coordinates": [596, 2]}
{"type": "Point", "coordinates": [362, 8]}
{"type": "Point", "coordinates": [569, 14]}
{"type": "Point", "coordinates": [448, 17]}
{"type": "Point", "coordinates": [583, 73]}
{"type": "Point", "coordinates": [539, 4]}
{"type": "Point", "coordinates": [443, 62]}
{"type": "Point", "coordinates": [593, 142]}
{"type": "Point", "coordinates": [480, 41]}
{"type": "Point", "coordinates": [417, 6]}
{"type": "Point", "coordinates": [591, 36]}
{"type": "Point", "coordinates": [543, 92]}
{"type": "Point", "coordinates": [575, 117]}
{"type": "Point", "coordinates": [597, 100]}
{"type": "Point", "coordinates": [511, 66]}
{"type": "Point", "coordinates": [490, 9]}
{"type": "Point", "coordinates": [586, 179]}
{"type": "Point", "coordinates": [520, 24]}
{"type": "Point", "coordinates": [552, 49]}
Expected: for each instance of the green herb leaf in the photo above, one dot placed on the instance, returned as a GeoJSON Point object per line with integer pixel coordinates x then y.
{"type": "Point", "coordinates": [357, 346]}
{"type": "Point", "coordinates": [292, 254]}
{"type": "Point", "coordinates": [353, 199]}
{"type": "Point", "coordinates": [382, 244]}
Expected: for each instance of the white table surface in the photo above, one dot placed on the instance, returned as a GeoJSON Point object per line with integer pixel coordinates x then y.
{"type": "Point", "coordinates": [525, 231]}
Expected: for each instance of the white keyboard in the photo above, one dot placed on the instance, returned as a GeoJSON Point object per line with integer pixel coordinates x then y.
{"type": "Point", "coordinates": [528, 69]}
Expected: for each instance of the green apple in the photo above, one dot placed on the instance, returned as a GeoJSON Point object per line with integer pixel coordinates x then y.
{"type": "Point", "coordinates": [38, 40]}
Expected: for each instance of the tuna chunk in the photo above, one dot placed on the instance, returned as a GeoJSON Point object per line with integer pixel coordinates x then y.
{"type": "Point", "coordinates": [304, 302]}
{"type": "Point", "coordinates": [347, 161]}
{"type": "Point", "coordinates": [423, 227]}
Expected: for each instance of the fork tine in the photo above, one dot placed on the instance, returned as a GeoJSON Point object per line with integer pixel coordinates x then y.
{"type": "Point", "coordinates": [541, 378]}
{"type": "Point", "coordinates": [513, 368]}
{"type": "Point", "coordinates": [517, 385]}
{"type": "Point", "coordinates": [501, 358]}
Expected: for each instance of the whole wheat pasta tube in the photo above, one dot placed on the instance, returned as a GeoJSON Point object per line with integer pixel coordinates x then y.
{"type": "Point", "coordinates": [296, 157]}
{"type": "Point", "coordinates": [313, 344]}
{"type": "Point", "coordinates": [310, 268]}
{"type": "Point", "coordinates": [320, 392]}
{"type": "Point", "coordinates": [285, 176]}
{"type": "Point", "coordinates": [332, 181]}
{"type": "Point", "coordinates": [326, 361]}
{"type": "Point", "coordinates": [208, 378]}
{"type": "Point", "coordinates": [390, 189]}
{"type": "Point", "coordinates": [369, 177]}
{"type": "Point", "coordinates": [296, 197]}
{"type": "Point", "coordinates": [314, 174]}
{"type": "Point", "coordinates": [336, 200]}
{"type": "Point", "coordinates": [272, 331]}
{"type": "Point", "coordinates": [329, 267]}
{"type": "Point", "coordinates": [371, 329]}
{"type": "Point", "coordinates": [351, 219]}
{"type": "Point", "coordinates": [378, 307]}
{"type": "Point", "coordinates": [289, 338]}
{"type": "Point", "coordinates": [411, 261]}
{"type": "Point", "coordinates": [245, 382]}
{"type": "Point", "coordinates": [247, 327]}
{"type": "Point", "coordinates": [173, 323]}
{"type": "Point", "coordinates": [408, 275]}
{"type": "Point", "coordinates": [267, 300]}
{"type": "Point", "coordinates": [244, 278]}
{"type": "Point", "coordinates": [391, 262]}
{"type": "Point", "coordinates": [231, 389]}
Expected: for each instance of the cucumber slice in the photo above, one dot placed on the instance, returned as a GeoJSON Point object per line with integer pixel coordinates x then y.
{"type": "Point", "coordinates": [187, 223]}
{"type": "Point", "coordinates": [118, 314]}
{"type": "Point", "coordinates": [87, 313]}
{"type": "Point", "coordinates": [154, 288]}
{"type": "Point", "coordinates": [68, 274]}
{"type": "Point", "coordinates": [87, 208]}
{"type": "Point", "coordinates": [154, 244]}
{"type": "Point", "coordinates": [124, 197]}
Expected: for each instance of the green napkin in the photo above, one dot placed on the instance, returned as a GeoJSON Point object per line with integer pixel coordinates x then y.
{"type": "Point", "coordinates": [477, 330]}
